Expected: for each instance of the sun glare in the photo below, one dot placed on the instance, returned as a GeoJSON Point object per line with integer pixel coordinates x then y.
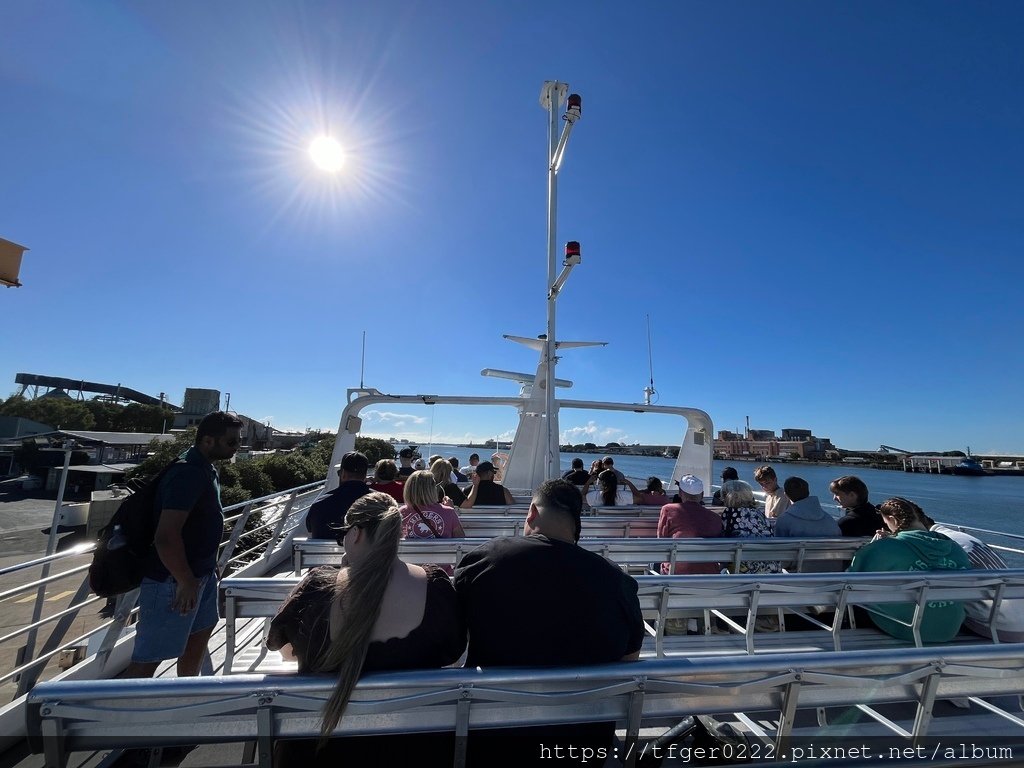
{"type": "Point", "coordinates": [327, 154]}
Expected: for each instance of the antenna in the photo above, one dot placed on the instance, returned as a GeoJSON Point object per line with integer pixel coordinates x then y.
{"type": "Point", "coordinates": [362, 362]}
{"type": "Point", "coordinates": [649, 389]}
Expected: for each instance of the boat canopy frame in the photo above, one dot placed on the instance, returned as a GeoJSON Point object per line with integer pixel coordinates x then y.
{"type": "Point", "coordinates": [525, 470]}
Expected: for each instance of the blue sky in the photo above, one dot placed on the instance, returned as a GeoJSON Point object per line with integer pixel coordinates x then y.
{"type": "Point", "coordinates": [818, 204]}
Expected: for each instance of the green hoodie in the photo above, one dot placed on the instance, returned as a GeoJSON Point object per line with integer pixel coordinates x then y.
{"type": "Point", "coordinates": [915, 551]}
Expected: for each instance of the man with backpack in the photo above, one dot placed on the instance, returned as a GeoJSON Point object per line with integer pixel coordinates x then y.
{"type": "Point", "coordinates": [178, 598]}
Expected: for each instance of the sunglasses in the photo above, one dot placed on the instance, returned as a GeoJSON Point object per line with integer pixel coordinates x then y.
{"type": "Point", "coordinates": [343, 532]}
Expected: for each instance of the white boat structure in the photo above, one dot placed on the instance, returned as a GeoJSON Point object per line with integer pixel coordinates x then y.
{"type": "Point", "coordinates": [778, 689]}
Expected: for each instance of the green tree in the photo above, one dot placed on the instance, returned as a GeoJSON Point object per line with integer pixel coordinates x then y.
{"type": "Point", "coordinates": [162, 453]}
{"type": "Point", "coordinates": [60, 413]}
{"type": "Point", "coordinates": [374, 449]}
{"type": "Point", "coordinates": [293, 469]}
{"type": "Point", "coordinates": [252, 477]}
{"type": "Point", "coordinates": [234, 494]}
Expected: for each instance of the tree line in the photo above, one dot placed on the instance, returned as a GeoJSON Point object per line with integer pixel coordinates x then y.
{"type": "Point", "coordinates": [90, 415]}
{"type": "Point", "coordinates": [263, 475]}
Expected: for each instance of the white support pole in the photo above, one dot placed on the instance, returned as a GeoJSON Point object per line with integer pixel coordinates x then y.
{"type": "Point", "coordinates": [556, 92]}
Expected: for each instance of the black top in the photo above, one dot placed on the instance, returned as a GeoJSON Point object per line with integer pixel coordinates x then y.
{"type": "Point", "coordinates": [453, 492]}
{"type": "Point", "coordinates": [489, 493]}
{"type": "Point", "coordinates": [405, 471]}
{"type": "Point", "coordinates": [304, 621]}
{"type": "Point", "coordinates": [194, 485]}
{"type": "Point", "coordinates": [531, 600]}
{"type": "Point", "coordinates": [862, 520]}
{"type": "Point", "coordinates": [576, 476]}
{"type": "Point", "coordinates": [329, 510]}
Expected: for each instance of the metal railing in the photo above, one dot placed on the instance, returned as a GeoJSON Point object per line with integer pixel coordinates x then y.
{"type": "Point", "coordinates": [267, 521]}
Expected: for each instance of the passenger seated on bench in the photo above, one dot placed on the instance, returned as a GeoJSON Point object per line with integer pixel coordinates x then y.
{"type": "Point", "coordinates": [906, 544]}
{"type": "Point", "coordinates": [485, 491]}
{"type": "Point", "coordinates": [373, 613]}
{"type": "Point", "coordinates": [718, 498]}
{"type": "Point", "coordinates": [653, 495]}
{"type": "Point", "coordinates": [385, 480]}
{"type": "Point", "coordinates": [608, 493]}
{"type": "Point", "coordinates": [804, 518]}
{"type": "Point", "coordinates": [328, 511]}
{"type": "Point", "coordinates": [861, 518]}
{"type": "Point", "coordinates": [423, 516]}
{"type": "Point", "coordinates": [689, 519]}
{"type": "Point", "coordinates": [1009, 620]}
{"type": "Point", "coordinates": [577, 475]}
{"type": "Point", "coordinates": [775, 501]}
{"type": "Point", "coordinates": [743, 520]}
{"type": "Point", "coordinates": [537, 600]}
{"type": "Point", "coordinates": [447, 492]}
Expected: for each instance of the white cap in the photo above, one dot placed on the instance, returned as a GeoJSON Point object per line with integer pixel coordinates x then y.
{"type": "Point", "coordinates": [691, 485]}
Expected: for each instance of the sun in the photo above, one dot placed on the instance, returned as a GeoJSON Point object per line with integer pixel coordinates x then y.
{"type": "Point", "coordinates": [327, 154]}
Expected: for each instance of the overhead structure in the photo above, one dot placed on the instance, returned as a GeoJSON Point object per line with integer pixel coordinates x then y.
{"type": "Point", "coordinates": [10, 263]}
{"type": "Point", "coordinates": [27, 380]}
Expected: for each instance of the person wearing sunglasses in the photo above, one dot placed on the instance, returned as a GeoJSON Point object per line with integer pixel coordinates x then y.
{"type": "Point", "coordinates": [178, 598]}
{"type": "Point", "coordinates": [373, 613]}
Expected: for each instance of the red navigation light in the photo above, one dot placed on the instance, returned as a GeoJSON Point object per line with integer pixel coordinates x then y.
{"type": "Point", "coordinates": [572, 248]}
{"type": "Point", "coordinates": [575, 100]}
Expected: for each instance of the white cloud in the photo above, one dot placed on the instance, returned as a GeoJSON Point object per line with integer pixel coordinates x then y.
{"type": "Point", "coordinates": [390, 419]}
{"type": "Point", "coordinates": [592, 432]}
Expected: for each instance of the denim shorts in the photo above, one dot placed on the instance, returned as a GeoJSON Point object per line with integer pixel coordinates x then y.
{"type": "Point", "coordinates": [162, 632]}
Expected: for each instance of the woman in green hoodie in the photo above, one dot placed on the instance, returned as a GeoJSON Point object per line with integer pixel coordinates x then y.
{"type": "Point", "coordinates": [908, 545]}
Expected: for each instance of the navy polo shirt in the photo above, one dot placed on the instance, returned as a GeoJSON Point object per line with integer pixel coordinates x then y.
{"type": "Point", "coordinates": [328, 512]}
{"type": "Point", "coordinates": [192, 484]}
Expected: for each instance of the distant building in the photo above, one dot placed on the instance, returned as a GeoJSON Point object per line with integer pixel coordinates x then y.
{"type": "Point", "coordinates": [762, 445]}
{"type": "Point", "coordinates": [198, 403]}
{"type": "Point", "coordinates": [797, 434]}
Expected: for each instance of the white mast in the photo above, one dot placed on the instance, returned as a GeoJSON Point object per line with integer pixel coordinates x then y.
{"type": "Point", "coordinates": [553, 95]}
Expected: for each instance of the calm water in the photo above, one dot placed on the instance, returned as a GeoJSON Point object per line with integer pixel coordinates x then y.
{"type": "Point", "coordinates": [995, 503]}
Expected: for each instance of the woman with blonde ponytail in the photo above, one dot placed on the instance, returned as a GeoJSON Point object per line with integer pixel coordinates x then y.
{"type": "Point", "coordinates": [373, 613]}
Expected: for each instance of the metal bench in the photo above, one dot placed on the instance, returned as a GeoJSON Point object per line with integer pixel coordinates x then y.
{"type": "Point", "coordinates": [737, 601]}
{"type": "Point", "coordinates": [66, 717]}
{"type": "Point", "coordinates": [632, 552]}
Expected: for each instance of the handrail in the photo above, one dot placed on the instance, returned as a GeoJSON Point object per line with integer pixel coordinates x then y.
{"type": "Point", "coordinates": [280, 501]}
{"type": "Point", "coordinates": [80, 549]}
{"type": "Point", "coordinates": [73, 716]}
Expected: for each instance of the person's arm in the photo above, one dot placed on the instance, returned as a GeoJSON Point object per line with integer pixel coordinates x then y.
{"type": "Point", "coordinates": [471, 497]}
{"type": "Point", "coordinates": [586, 485]}
{"type": "Point", "coordinates": [634, 656]}
{"type": "Point", "coordinates": [170, 547]}
{"type": "Point", "coordinates": [509, 498]}
{"type": "Point", "coordinates": [633, 489]}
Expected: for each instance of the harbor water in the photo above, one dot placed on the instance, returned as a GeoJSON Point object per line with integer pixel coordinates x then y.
{"type": "Point", "coordinates": [992, 503]}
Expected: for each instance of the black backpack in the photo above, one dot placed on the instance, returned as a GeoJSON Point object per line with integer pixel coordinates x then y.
{"type": "Point", "coordinates": [125, 543]}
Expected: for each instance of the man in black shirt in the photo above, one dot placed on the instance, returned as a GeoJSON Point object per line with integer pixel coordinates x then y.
{"type": "Point", "coordinates": [485, 491]}
{"type": "Point", "coordinates": [405, 457]}
{"type": "Point", "coordinates": [577, 475]}
{"type": "Point", "coordinates": [328, 512]}
{"type": "Point", "coordinates": [539, 599]}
